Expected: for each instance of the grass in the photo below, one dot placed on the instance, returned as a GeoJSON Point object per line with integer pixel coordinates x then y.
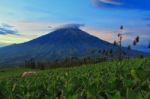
{"type": "Point", "coordinates": [108, 80]}
{"type": "Point", "coordinates": [12, 73]}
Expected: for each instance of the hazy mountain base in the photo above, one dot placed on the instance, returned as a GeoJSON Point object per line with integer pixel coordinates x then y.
{"type": "Point", "coordinates": [108, 80]}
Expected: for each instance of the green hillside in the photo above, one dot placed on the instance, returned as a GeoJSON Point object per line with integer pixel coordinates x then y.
{"type": "Point", "coordinates": [109, 80]}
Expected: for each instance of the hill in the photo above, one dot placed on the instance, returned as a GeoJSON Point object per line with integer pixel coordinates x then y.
{"type": "Point", "coordinates": [59, 45]}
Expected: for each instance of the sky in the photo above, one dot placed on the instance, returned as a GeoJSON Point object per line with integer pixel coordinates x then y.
{"type": "Point", "coordinates": [23, 20]}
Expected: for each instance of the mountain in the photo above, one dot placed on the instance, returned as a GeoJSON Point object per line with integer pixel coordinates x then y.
{"type": "Point", "coordinates": [58, 45]}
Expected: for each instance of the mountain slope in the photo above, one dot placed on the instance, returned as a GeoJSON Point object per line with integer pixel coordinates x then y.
{"type": "Point", "coordinates": [58, 45]}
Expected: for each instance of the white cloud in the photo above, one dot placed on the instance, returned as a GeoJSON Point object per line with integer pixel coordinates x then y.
{"type": "Point", "coordinates": [100, 3]}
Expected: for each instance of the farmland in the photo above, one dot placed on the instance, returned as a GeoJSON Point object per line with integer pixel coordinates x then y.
{"type": "Point", "coordinates": [128, 79]}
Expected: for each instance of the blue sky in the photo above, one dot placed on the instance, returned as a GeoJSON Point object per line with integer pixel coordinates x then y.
{"type": "Point", "coordinates": [23, 20]}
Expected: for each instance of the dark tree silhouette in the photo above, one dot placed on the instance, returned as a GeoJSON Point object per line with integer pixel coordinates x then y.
{"type": "Point", "coordinates": [148, 45]}
{"type": "Point", "coordinates": [134, 43]}
{"type": "Point", "coordinates": [120, 36]}
{"type": "Point", "coordinates": [129, 47]}
{"type": "Point", "coordinates": [136, 40]}
{"type": "Point", "coordinates": [104, 51]}
{"type": "Point", "coordinates": [30, 63]}
{"type": "Point", "coordinates": [41, 66]}
{"type": "Point", "coordinates": [115, 43]}
{"type": "Point", "coordinates": [111, 51]}
{"type": "Point", "coordinates": [99, 51]}
{"type": "Point", "coordinates": [93, 51]}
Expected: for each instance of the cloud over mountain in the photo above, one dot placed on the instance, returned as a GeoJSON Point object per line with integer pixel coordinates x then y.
{"type": "Point", "coordinates": [73, 26]}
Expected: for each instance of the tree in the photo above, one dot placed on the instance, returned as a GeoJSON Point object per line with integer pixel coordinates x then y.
{"type": "Point", "coordinates": [30, 63]}
{"type": "Point", "coordinates": [115, 43]}
{"type": "Point", "coordinates": [99, 51]}
{"type": "Point", "coordinates": [129, 47]}
{"type": "Point", "coordinates": [111, 51]}
{"type": "Point", "coordinates": [120, 36]}
{"type": "Point", "coordinates": [41, 66]}
{"type": "Point", "coordinates": [104, 51]}
{"type": "Point", "coordinates": [136, 40]}
{"type": "Point", "coordinates": [134, 43]}
{"type": "Point", "coordinates": [93, 51]}
{"type": "Point", "coordinates": [148, 45]}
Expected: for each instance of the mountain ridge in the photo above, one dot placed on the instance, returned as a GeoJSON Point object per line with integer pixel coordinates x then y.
{"type": "Point", "coordinates": [58, 45]}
